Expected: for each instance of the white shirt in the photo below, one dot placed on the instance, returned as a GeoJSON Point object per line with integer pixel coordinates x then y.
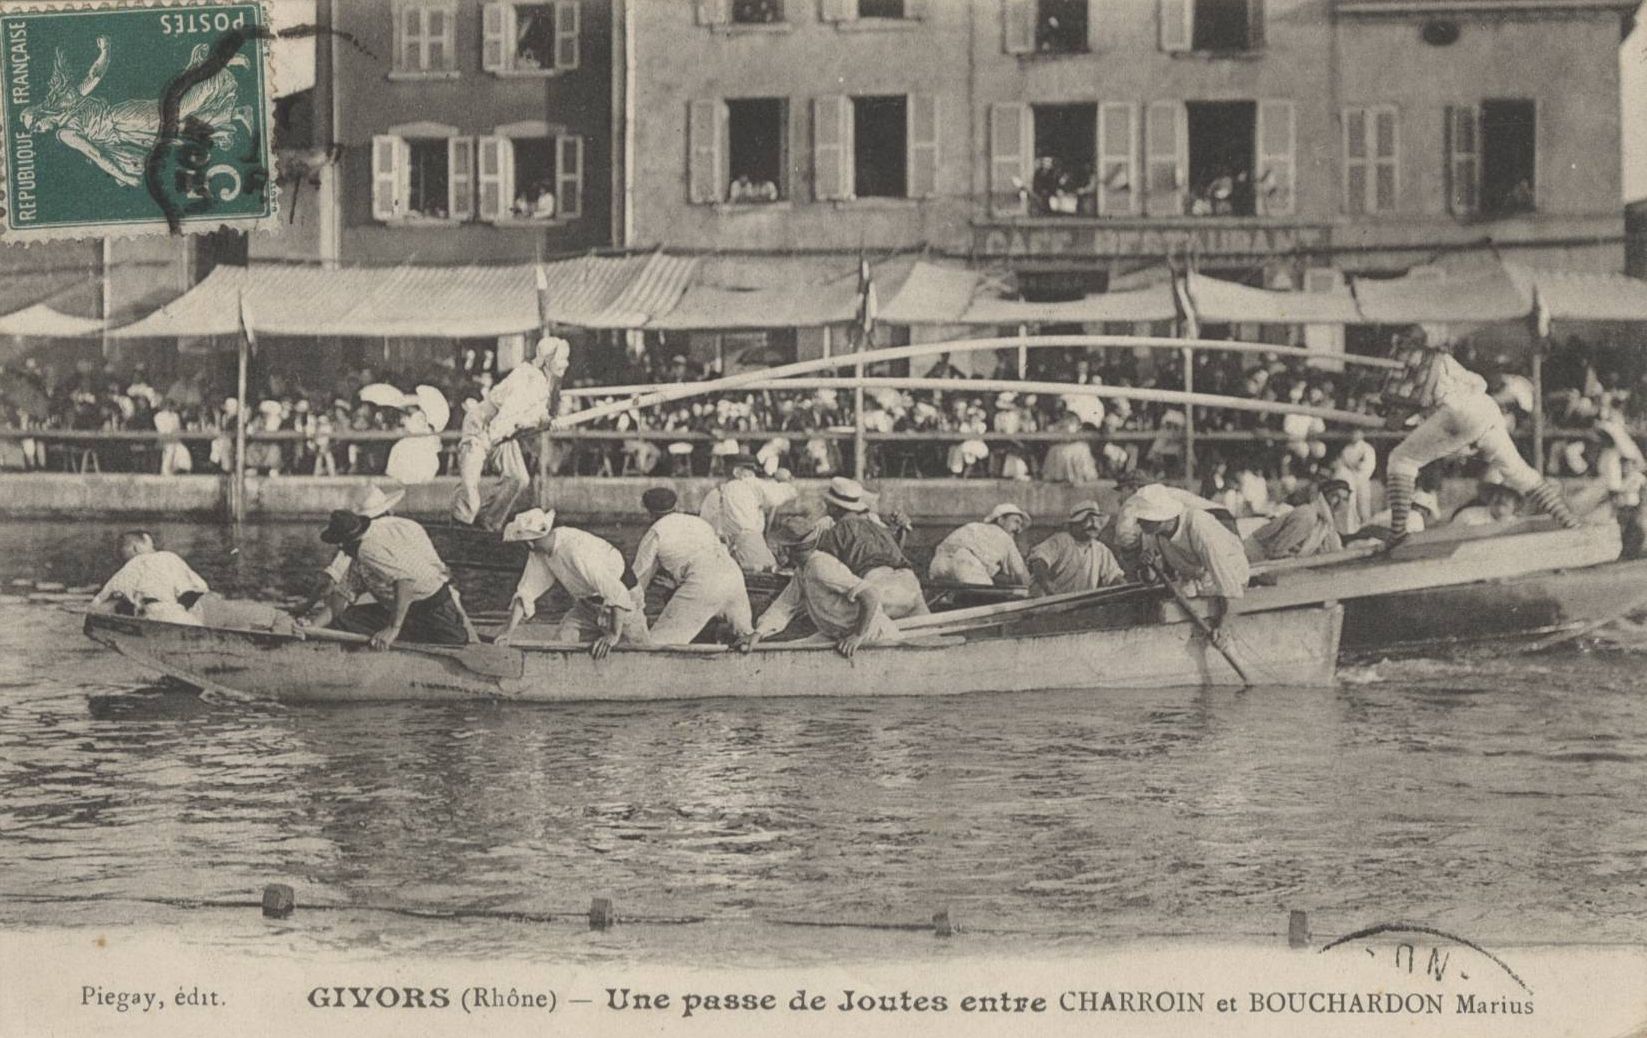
{"type": "Point", "coordinates": [395, 549]}
{"type": "Point", "coordinates": [679, 545]}
{"type": "Point", "coordinates": [156, 577]}
{"type": "Point", "coordinates": [1128, 534]}
{"type": "Point", "coordinates": [992, 546]}
{"type": "Point", "coordinates": [827, 590]}
{"type": "Point", "coordinates": [1358, 459]}
{"type": "Point", "coordinates": [745, 504]}
{"type": "Point", "coordinates": [520, 401]}
{"type": "Point", "coordinates": [585, 565]}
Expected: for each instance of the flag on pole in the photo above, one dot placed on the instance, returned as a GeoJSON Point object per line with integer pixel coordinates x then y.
{"type": "Point", "coordinates": [1541, 315]}
{"type": "Point", "coordinates": [868, 305]}
{"type": "Point", "coordinates": [543, 297]}
{"type": "Point", "coordinates": [246, 323]}
{"type": "Point", "coordinates": [1186, 306]}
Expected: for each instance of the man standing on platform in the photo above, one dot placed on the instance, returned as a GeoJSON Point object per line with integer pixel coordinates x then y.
{"type": "Point", "coordinates": [1458, 413]}
{"type": "Point", "coordinates": [1191, 549]}
{"type": "Point", "coordinates": [519, 403]}
{"type": "Point", "coordinates": [708, 584]}
{"type": "Point", "coordinates": [394, 560]}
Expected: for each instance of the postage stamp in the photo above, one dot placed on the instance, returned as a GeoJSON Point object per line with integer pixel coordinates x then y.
{"type": "Point", "coordinates": [131, 119]}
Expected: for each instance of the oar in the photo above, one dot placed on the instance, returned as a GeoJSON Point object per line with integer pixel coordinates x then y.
{"type": "Point", "coordinates": [488, 660]}
{"type": "Point", "coordinates": [1001, 612]}
{"type": "Point", "coordinates": [1205, 628]}
{"type": "Point", "coordinates": [1563, 637]}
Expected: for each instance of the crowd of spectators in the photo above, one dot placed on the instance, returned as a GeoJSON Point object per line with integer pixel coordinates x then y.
{"type": "Point", "coordinates": [957, 433]}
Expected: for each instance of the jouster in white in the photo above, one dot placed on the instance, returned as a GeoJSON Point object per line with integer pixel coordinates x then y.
{"type": "Point", "coordinates": [518, 403]}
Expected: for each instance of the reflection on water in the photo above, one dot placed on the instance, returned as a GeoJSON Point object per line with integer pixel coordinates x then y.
{"type": "Point", "coordinates": [1486, 799]}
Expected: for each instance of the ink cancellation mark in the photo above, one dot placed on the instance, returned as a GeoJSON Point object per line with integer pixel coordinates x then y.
{"type": "Point", "coordinates": [123, 120]}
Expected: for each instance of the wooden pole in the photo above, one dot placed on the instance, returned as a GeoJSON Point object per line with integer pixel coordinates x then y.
{"type": "Point", "coordinates": [1189, 417]}
{"type": "Point", "coordinates": [860, 441]}
{"type": "Point", "coordinates": [237, 488]}
{"type": "Point", "coordinates": [1538, 404]}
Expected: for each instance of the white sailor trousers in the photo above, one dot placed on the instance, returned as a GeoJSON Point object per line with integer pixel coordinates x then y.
{"type": "Point", "coordinates": [960, 567]}
{"type": "Point", "coordinates": [472, 455]}
{"type": "Point", "coordinates": [705, 592]}
{"type": "Point", "coordinates": [581, 624]}
{"type": "Point", "coordinates": [899, 591]}
{"type": "Point", "coordinates": [1476, 421]}
{"type": "Point", "coordinates": [750, 551]}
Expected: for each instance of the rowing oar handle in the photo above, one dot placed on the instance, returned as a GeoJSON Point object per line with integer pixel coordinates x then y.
{"type": "Point", "coordinates": [1200, 623]}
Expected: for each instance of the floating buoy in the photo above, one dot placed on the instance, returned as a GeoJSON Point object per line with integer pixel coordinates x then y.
{"type": "Point", "coordinates": [1298, 929]}
{"type": "Point", "coordinates": [600, 914]}
{"type": "Point", "coordinates": [942, 925]}
{"type": "Point", "coordinates": [278, 901]}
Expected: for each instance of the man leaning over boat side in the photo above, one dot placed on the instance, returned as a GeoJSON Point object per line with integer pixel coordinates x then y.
{"type": "Point", "coordinates": [392, 559]}
{"type": "Point", "coordinates": [603, 613]}
{"type": "Point", "coordinates": [864, 544]}
{"type": "Point", "coordinates": [1193, 550]}
{"type": "Point", "coordinates": [708, 584]}
{"type": "Point", "coordinates": [1457, 413]}
{"type": "Point", "coordinates": [153, 584]}
{"type": "Point", "coordinates": [1122, 534]}
{"type": "Point", "coordinates": [1073, 559]}
{"type": "Point", "coordinates": [1309, 529]}
{"type": "Point", "coordinates": [518, 403]}
{"type": "Point", "coordinates": [845, 608]}
{"type": "Point", "coordinates": [984, 553]}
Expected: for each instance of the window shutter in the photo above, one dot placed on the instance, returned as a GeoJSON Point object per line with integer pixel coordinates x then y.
{"type": "Point", "coordinates": [1276, 147]}
{"type": "Point", "coordinates": [569, 177]}
{"type": "Point", "coordinates": [713, 12]}
{"type": "Point", "coordinates": [1117, 159]}
{"type": "Point", "coordinates": [489, 176]}
{"type": "Point", "coordinates": [1166, 145]}
{"type": "Point", "coordinates": [915, 10]}
{"type": "Point", "coordinates": [1388, 165]}
{"type": "Point", "coordinates": [832, 147]}
{"type": "Point", "coordinates": [460, 177]}
{"type": "Point", "coordinates": [407, 54]}
{"type": "Point", "coordinates": [442, 27]}
{"type": "Point", "coordinates": [1356, 167]}
{"type": "Point", "coordinates": [923, 145]}
{"type": "Point", "coordinates": [568, 24]}
{"type": "Point", "coordinates": [1463, 159]}
{"type": "Point", "coordinates": [1177, 24]}
{"type": "Point", "coordinates": [839, 10]}
{"type": "Point", "coordinates": [403, 176]}
{"type": "Point", "coordinates": [1011, 141]}
{"type": "Point", "coordinates": [1019, 26]}
{"type": "Point", "coordinates": [1255, 24]}
{"type": "Point", "coordinates": [705, 183]}
{"type": "Point", "coordinates": [494, 47]}
{"type": "Point", "coordinates": [387, 201]}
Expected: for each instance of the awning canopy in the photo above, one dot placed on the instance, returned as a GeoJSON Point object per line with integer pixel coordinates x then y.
{"type": "Point", "coordinates": [1575, 296]}
{"type": "Point", "coordinates": [42, 322]}
{"type": "Point", "coordinates": [1218, 300]}
{"type": "Point", "coordinates": [737, 292]}
{"type": "Point", "coordinates": [932, 294]}
{"type": "Point", "coordinates": [1153, 303]}
{"type": "Point", "coordinates": [1432, 296]}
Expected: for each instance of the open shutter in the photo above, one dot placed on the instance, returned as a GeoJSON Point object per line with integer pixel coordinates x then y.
{"type": "Point", "coordinates": [568, 24]}
{"type": "Point", "coordinates": [489, 166]}
{"type": "Point", "coordinates": [832, 147]}
{"type": "Point", "coordinates": [569, 177]}
{"type": "Point", "coordinates": [460, 177]}
{"type": "Point", "coordinates": [408, 41]}
{"type": "Point", "coordinates": [387, 201]}
{"type": "Point", "coordinates": [1117, 158]}
{"type": "Point", "coordinates": [1255, 24]}
{"type": "Point", "coordinates": [713, 12]}
{"type": "Point", "coordinates": [403, 177]}
{"type": "Point", "coordinates": [1019, 27]}
{"type": "Point", "coordinates": [443, 27]}
{"type": "Point", "coordinates": [1463, 159]}
{"type": "Point", "coordinates": [705, 181]}
{"type": "Point", "coordinates": [1276, 163]}
{"type": "Point", "coordinates": [1177, 24]}
{"type": "Point", "coordinates": [1386, 164]}
{"type": "Point", "coordinates": [1166, 133]}
{"type": "Point", "coordinates": [923, 145]}
{"type": "Point", "coordinates": [1011, 141]}
{"type": "Point", "coordinates": [495, 23]}
{"type": "Point", "coordinates": [839, 10]}
{"type": "Point", "coordinates": [1357, 169]}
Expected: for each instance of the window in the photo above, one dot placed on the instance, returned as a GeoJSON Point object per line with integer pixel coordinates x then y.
{"type": "Point", "coordinates": [530, 39]}
{"type": "Point", "coordinates": [1370, 163]}
{"type": "Point", "coordinates": [1062, 183]}
{"type": "Point", "coordinates": [425, 173]}
{"type": "Point", "coordinates": [425, 38]}
{"type": "Point", "coordinates": [755, 154]}
{"type": "Point", "coordinates": [1508, 157]}
{"type": "Point", "coordinates": [842, 11]}
{"type": "Point", "coordinates": [1211, 26]}
{"type": "Point", "coordinates": [881, 9]}
{"type": "Point", "coordinates": [757, 12]}
{"type": "Point", "coordinates": [1219, 158]}
{"type": "Point", "coordinates": [530, 177]}
{"type": "Point", "coordinates": [868, 147]}
{"type": "Point", "coordinates": [1046, 26]}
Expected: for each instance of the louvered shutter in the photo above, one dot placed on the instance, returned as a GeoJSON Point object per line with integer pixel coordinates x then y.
{"type": "Point", "coordinates": [839, 10]}
{"type": "Point", "coordinates": [489, 176]}
{"type": "Point", "coordinates": [568, 24]}
{"type": "Point", "coordinates": [1177, 24]}
{"type": "Point", "coordinates": [923, 145]}
{"type": "Point", "coordinates": [1276, 163]}
{"type": "Point", "coordinates": [832, 167]}
{"type": "Point", "coordinates": [495, 22]}
{"type": "Point", "coordinates": [387, 201]}
{"type": "Point", "coordinates": [408, 22]}
{"type": "Point", "coordinates": [1255, 24]}
{"type": "Point", "coordinates": [1019, 26]}
{"type": "Point", "coordinates": [569, 177]}
{"type": "Point", "coordinates": [1117, 159]}
{"type": "Point", "coordinates": [460, 178]}
{"type": "Point", "coordinates": [1386, 160]}
{"type": "Point", "coordinates": [441, 26]}
{"type": "Point", "coordinates": [1463, 159]}
{"type": "Point", "coordinates": [713, 12]}
{"type": "Point", "coordinates": [1167, 157]}
{"type": "Point", "coordinates": [705, 181]}
{"type": "Point", "coordinates": [1357, 169]}
{"type": "Point", "coordinates": [1011, 143]}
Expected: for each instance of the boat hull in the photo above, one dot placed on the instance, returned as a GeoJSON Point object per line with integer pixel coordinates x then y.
{"type": "Point", "coordinates": [1286, 647]}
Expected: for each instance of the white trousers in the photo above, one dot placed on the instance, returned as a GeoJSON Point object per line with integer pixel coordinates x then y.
{"type": "Point", "coordinates": [705, 593]}
{"type": "Point", "coordinates": [899, 590]}
{"type": "Point", "coordinates": [581, 625]}
{"type": "Point", "coordinates": [960, 567]}
{"type": "Point", "coordinates": [473, 453]}
{"type": "Point", "coordinates": [1475, 421]}
{"type": "Point", "coordinates": [750, 551]}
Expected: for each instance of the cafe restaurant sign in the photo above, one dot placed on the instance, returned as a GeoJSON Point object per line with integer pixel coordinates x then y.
{"type": "Point", "coordinates": [1040, 240]}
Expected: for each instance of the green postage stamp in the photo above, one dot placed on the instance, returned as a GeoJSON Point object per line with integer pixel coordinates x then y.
{"type": "Point", "coordinates": [134, 118]}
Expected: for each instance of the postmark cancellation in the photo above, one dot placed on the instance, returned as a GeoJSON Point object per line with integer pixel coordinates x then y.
{"type": "Point", "coordinates": [134, 118]}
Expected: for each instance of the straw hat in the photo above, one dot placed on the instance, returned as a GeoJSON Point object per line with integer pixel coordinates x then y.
{"type": "Point", "coordinates": [383, 395]}
{"type": "Point", "coordinates": [847, 494]}
{"type": "Point", "coordinates": [1084, 509]}
{"type": "Point", "coordinates": [373, 501]}
{"type": "Point", "coordinates": [1156, 504]}
{"type": "Point", "coordinates": [432, 402]}
{"type": "Point", "coordinates": [1004, 509]}
{"type": "Point", "coordinates": [529, 525]}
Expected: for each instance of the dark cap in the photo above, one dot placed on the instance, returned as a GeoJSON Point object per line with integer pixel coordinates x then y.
{"type": "Point", "coordinates": [658, 500]}
{"type": "Point", "coordinates": [1132, 480]}
{"type": "Point", "coordinates": [344, 527]}
{"type": "Point", "coordinates": [1335, 484]}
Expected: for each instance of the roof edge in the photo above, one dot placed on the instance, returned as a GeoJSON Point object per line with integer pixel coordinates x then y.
{"type": "Point", "coordinates": [1442, 7]}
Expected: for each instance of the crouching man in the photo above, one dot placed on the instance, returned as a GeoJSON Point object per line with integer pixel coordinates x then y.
{"type": "Point", "coordinates": [845, 608]}
{"type": "Point", "coordinates": [592, 571]}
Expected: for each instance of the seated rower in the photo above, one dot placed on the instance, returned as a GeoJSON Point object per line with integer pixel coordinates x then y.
{"type": "Point", "coordinates": [393, 559]}
{"type": "Point", "coordinates": [1310, 529]}
{"type": "Point", "coordinates": [1073, 559]}
{"type": "Point", "coordinates": [156, 585]}
{"type": "Point", "coordinates": [845, 608]}
{"type": "Point", "coordinates": [1495, 503]}
{"type": "Point", "coordinates": [708, 584]}
{"type": "Point", "coordinates": [592, 572]}
{"type": "Point", "coordinates": [985, 553]}
{"type": "Point", "coordinates": [866, 546]}
{"type": "Point", "coordinates": [1193, 550]}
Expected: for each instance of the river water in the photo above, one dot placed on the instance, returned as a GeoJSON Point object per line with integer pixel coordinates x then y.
{"type": "Point", "coordinates": [1486, 796]}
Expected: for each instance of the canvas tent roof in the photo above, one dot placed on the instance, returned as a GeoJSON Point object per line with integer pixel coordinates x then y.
{"type": "Point", "coordinates": [732, 292]}
{"type": "Point", "coordinates": [1218, 300]}
{"type": "Point", "coordinates": [41, 321]}
{"type": "Point", "coordinates": [1443, 297]}
{"type": "Point", "coordinates": [1576, 296]}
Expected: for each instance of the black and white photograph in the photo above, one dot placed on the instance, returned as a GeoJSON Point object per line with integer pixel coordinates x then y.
{"type": "Point", "coordinates": [747, 517]}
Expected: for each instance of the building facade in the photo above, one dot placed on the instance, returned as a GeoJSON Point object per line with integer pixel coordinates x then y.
{"type": "Point", "coordinates": [1086, 138]}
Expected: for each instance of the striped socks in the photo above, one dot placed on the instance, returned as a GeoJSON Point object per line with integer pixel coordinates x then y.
{"type": "Point", "coordinates": [1547, 498]}
{"type": "Point", "coordinates": [1398, 492]}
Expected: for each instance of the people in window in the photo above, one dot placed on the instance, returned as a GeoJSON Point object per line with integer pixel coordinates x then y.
{"type": "Point", "coordinates": [535, 202]}
{"type": "Point", "coordinates": [534, 36]}
{"type": "Point", "coordinates": [746, 189]}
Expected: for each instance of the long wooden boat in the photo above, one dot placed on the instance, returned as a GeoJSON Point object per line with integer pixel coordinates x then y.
{"type": "Point", "coordinates": [1291, 646]}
